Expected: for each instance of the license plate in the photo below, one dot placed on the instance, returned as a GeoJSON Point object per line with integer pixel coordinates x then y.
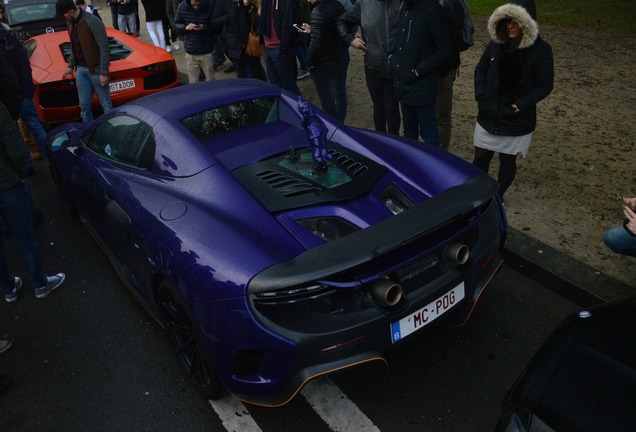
{"type": "Point", "coordinates": [122, 85]}
{"type": "Point", "coordinates": [429, 313]}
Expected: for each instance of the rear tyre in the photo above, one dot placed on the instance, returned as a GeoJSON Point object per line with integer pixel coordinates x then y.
{"type": "Point", "coordinates": [186, 341]}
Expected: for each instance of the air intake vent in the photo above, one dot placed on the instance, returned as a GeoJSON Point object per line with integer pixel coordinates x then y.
{"type": "Point", "coordinates": [354, 167]}
{"type": "Point", "coordinates": [281, 183]}
{"type": "Point", "coordinates": [287, 185]}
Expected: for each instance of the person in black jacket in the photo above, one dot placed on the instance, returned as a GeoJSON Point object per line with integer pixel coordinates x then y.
{"type": "Point", "coordinates": [514, 73]}
{"type": "Point", "coordinates": [448, 72]}
{"type": "Point", "coordinates": [422, 45]}
{"type": "Point", "coordinates": [127, 16]}
{"type": "Point", "coordinates": [236, 16]}
{"type": "Point", "coordinates": [325, 51]}
{"type": "Point", "coordinates": [194, 21]}
{"type": "Point", "coordinates": [16, 208]}
{"type": "Point", "coordinates": [280, 38]}
{"type": "Point", "coordinates": [155, 18]}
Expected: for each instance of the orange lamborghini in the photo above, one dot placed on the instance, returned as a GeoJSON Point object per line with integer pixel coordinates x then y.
{"type": "Point", "coordinates": [136, 69]}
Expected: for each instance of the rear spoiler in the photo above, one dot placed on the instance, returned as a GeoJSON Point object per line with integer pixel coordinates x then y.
{"type": "Point", "coordinates": [367, 244]}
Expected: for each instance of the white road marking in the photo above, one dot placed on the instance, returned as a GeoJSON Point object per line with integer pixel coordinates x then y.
{"type": "Point", "coordinates": [234, 415]}
{"type": "Point", "coordinates": [335, 408]}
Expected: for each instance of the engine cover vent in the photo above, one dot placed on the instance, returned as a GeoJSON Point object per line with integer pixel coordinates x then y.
{"type": "Point", "coordinates": [282, 183]}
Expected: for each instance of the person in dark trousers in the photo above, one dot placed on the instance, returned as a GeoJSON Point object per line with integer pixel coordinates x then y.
{"type": "Point", "coordinates": [17, 56]}
{"type": "Point", "coordinates": [112, 4]}
{"type": "Point", "coordinates": [514, 73]}
{"type": "Point", "coordinates": [16, 209]}
{"type": "Point", "coordinates": [280, 37]}
{"type": "Point", "coordinates": [422, 45]}
{"type": "Point", "coordinates": [324, 57]}
{"type": "Point", "coordinates": [448, 72]}
{"type": "Point", "coordinates": [378, 22]}
{"type": "Point", "coordinates": [89, 57]}
{"type": "Point", "coordinates": [171, 12]}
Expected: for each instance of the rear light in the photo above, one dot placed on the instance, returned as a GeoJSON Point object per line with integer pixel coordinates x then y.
{"type": "Point", "coordinates": [59, 94]}
{"type": "Point", "coordinates": [160, 75]}
{"type": "Point", "coordinates": [156, 67]}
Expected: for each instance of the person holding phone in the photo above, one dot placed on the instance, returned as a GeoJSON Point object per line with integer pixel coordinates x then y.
{"type": "Point", "coordinates": [622, 240]}
{"type": "Point", "coordinates": [193, 21]}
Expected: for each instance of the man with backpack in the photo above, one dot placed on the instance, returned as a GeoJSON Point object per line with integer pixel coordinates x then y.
{"type": "Point", "coordinates": [461, 29]}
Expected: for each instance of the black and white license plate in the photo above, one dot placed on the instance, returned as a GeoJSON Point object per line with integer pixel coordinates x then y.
{"type": "Point", "coordinates": [426, 315]}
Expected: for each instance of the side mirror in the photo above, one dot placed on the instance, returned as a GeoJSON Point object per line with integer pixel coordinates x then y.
{"type": "Point", "coordinates": [59, 142]}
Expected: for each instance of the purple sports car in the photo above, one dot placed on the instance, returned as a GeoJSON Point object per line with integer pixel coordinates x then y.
{"type": "Point", "coordinates": [274, 243]}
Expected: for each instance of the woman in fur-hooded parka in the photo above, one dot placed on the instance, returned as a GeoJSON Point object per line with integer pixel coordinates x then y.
{"type": "Point", "coordinates": [512, 76]}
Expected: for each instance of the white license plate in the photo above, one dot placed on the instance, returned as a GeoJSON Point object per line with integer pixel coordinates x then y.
{"type": "Point", "coordinates": [122, 85]}
{"type": "Point", "coordinates": [429, 313]}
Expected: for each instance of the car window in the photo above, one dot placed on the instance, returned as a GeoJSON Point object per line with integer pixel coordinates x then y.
{"type": "Point", "coordinates": [233, 116]}
{"type": "Point", "coordinates": [30, 46]}
{"type": "Point", "coordinates": [123, 139]}
{"type": "Point", "coordinates": [118, 51]}
{"type": "Point", "coordinates": [30, 12]}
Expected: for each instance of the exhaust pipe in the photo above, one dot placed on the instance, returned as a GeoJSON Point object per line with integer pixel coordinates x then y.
{"type": "Point", "coordinates": [386, 292]}
{"type": "Point", "coordinates": [456, 253]}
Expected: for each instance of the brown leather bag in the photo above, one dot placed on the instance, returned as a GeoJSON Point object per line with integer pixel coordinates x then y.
{"type": "Point", "coordinates": [254, 47]}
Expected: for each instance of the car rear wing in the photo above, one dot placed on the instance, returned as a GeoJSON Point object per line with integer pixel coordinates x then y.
{"type": "Point", "coordinates": [389, 235]}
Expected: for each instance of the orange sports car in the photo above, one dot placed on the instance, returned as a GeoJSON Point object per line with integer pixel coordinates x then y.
{"type": "Point", "coordinates": [136, 69]}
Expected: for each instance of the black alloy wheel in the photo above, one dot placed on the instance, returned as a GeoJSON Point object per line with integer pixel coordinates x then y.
{"type": "Point", "coordinates": [184, 337]}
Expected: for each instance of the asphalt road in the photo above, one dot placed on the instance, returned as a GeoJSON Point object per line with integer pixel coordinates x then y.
{"type": "Point", "coordinates": [88, 357]}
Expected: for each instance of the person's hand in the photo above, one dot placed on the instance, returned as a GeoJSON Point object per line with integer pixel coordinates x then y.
{"type": "Point", "coordinates": [630, 202]}
{"type": "Point", "coordinates": [103, 79]}
{"type": "Point", "coordinates": [358, 43]}
{"type": "Point", "coordinates": [193, 27]}
{"type": "Point", "coordinates": [630, 220]}
{"type": "Point", "coordinates": [68, 71]}
{"type": "Point", "coordinates": [306, 27]}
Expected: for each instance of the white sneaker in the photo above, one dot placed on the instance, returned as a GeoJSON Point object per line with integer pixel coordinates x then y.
{"type": "Point", "coordinates": [176, 46]}
{"type": "Point", "coordinates": [168, 49]}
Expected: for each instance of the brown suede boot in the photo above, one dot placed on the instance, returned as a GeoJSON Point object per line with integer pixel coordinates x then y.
{"type": "Point", "coordinates": [34, 151]}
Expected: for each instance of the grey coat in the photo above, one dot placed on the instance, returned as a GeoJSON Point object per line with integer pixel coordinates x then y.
{"type": "Point", "coordinates": [379, 21]}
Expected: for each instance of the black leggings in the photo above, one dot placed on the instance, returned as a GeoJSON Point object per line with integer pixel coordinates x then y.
{"type": "Point", "coordinates": [507, 167]}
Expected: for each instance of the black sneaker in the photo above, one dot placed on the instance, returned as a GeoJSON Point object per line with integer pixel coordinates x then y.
{"type": "Point", "coordinates": [52, 282]}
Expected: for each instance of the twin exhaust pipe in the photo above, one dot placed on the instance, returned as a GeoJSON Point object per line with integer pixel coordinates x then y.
{"type": "Point", "coordinates": [387, 293]}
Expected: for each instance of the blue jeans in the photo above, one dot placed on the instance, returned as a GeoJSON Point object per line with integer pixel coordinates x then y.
{"type": "Point", "coordinates": [341, 85]}
{"type": "Point", "coordinates": [87, 84]}
{"type": "Point", "coordinates": [422, 119]}
{"type": "Point", "coordinates": [32, 122]}
{"type": "Point", "coordinates": [16, 213]}
{"type": "Point", "coordinates": [325, 77]}
{"type": "Point", "coordinates": [281, 70]}
{"type": "Point", "coordinates": [620, 241]}
{"type": "Point", "coordinates": [301, 53]}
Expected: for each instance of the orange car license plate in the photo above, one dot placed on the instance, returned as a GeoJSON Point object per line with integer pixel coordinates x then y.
{"type": "Point", "coordinates": [122, 85]}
